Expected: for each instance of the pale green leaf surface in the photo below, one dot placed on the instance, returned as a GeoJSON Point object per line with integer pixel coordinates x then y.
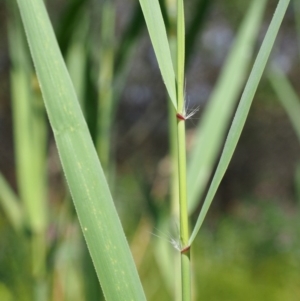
{"type": "Point", "coordinates": [158, 35]}
{"type": "Point", "coordinates": [214, 121]}
{"type": "Point", "coordinates": [287, 97]}
{"type": "Point", "coordinates": [242, 111]}
{"type": "Point", "coordinates": [96, 212]}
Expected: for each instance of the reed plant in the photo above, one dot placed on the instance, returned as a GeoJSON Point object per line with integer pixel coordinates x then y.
{"type": "Point", "coordinates": [175, 86]}
{"type": "Point", "coordinates": [84, 173]}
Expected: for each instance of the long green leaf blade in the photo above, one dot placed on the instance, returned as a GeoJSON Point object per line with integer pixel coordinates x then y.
{"type": "Point", "coordinates": [242, 111]}
{"type": "Point", "coordinates": [96, 212]}
{"type": "Point", "coordinates": [158, 35]}
{"type": "Point", "coordinates": [215, 120]}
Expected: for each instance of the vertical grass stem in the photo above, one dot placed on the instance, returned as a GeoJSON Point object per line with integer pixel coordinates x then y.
{"type": "Point", "coordinates": [184, 224]}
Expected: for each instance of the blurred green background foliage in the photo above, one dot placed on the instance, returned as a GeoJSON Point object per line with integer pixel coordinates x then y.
{"type": "Point", "coordinates": [249, 247]}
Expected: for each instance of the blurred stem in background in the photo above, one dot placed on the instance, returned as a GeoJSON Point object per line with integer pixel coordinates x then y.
{"type": "Point", "coordinates": [11, 205]}
{"type": "Point", "coordinates": [68, 22]}
{"type": "Point", "coordinates": [199, 14]}
{"type": "Point", "coordinates": [76, 57]}
{"type": "Point", "coordinates": [290, 101]}
{"type": "Point", "coordinates": [296, 4]}
{"type": "Point", "coordinates": [30, 134]}
{"type": "Point", "coordinates": [297, 18]}
{"type": "Point", "coordinates": [287, 97]}
{"type": "Point", "coordinates": [105, 85]}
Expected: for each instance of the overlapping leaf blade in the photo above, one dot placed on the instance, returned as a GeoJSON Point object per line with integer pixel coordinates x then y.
{"type": "Point", "coordinates": [158, 35]}
{"type": "Point", "coordinates": [97, 215]}
{"type": "Point", "coordinates": [242, 111]}
{"type": "Point", "coordinates": [214, 121]}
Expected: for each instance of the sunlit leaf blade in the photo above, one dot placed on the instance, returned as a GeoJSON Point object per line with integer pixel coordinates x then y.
{"type": "Point", "coordinates": [158, 35]}
{"type": "Point", "coordinates": [242, 111]}
{"type": "Point", "coordinates": [97, 215]}
{"type": "Point", "coordinates": [215, 120]}
{"type": "Point", "coordinates": [287, 97]}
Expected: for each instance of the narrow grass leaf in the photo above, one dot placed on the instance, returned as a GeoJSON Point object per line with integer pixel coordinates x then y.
{"type": "Point", "coordinates": [287, 97]}
{"type": "Point", "coordinates": [158, 35]}
{"type": "Point", "coordinates": [242, 111]}
{"type": "Point", "coordinates": [96, 212]}
{"type": "Point", "coordinates": [214, 121]}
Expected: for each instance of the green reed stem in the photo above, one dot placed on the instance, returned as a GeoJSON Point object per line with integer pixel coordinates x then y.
{"type": "Point", "coordinates": [184, 223]}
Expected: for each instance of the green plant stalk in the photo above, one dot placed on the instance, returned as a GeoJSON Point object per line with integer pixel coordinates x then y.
{"type": "Point", "coordinates": [168, 260]}
{"type": "Point", "coordinates": [173, 145]}
{"type": "Point", "coordinates": [183, 212]}
{"type": "Point", "coordinates": [105, 94]}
